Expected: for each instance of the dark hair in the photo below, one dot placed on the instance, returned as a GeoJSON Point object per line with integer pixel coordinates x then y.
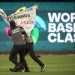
{"type": "Point", "coordinates": [12, 24]}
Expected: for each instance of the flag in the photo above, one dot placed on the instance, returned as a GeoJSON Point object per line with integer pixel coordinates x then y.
{"type": "Point", "coordinates": [25, 19]}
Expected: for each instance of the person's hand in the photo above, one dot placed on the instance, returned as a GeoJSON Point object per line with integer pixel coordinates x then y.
{"type": "Point", "coordinates": [1, 11]}
{"type": "Point", "coordinates": [35, 6]}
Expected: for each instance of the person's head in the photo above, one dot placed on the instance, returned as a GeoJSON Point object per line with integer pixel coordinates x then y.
{"type": "Point", "coordinates": [12, 24]}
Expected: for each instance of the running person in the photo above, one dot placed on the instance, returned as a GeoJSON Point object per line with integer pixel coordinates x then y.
{"type": "Point", "coordinates": [30, 51]}
{"type": "Point", "coordinates": [18, 47]}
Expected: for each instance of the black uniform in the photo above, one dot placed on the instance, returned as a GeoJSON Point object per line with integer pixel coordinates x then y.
{"type": "Point", "coordinates": [30, 51]}
{"type": "Point", "coordinates": [18, 47]}
{"type": "Point", "coordinates": [22, 47]}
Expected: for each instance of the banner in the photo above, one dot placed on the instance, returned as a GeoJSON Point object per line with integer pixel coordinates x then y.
{"type": "Point", "coordinates": [25, 19]}
{"type": "Point", "coordinates": [53, 24]}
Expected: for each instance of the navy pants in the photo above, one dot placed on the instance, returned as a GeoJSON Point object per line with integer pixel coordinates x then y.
{"type": "Point", "coordinates": [21, 50]}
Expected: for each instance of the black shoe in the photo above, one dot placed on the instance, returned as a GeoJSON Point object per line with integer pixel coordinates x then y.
{"type": "Point", "coordinates": [27, 71]}
{"type": "Point", "coordinates": [20, 68]}
{"type": "Point", "coordinates": [13, 70]}
{"type": "Point", "coordinates": [43, 67]}
{"type": "Point", "coordinates": [17, 68]}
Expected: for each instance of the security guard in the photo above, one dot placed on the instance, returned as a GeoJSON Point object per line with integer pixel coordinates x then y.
{"type": "Point", "coordinates": [19, 46]}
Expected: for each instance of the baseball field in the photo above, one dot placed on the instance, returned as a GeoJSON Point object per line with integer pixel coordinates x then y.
{"type": "Point", "coordinates": [55, 65]}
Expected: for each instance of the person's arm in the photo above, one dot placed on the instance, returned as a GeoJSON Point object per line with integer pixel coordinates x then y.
{"type": "Point", "coordinates": [9, 33]}
{"type": "Point", "coordinates": [23, 32]}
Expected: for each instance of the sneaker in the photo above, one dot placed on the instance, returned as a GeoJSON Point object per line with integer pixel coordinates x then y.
{"type": "Point", "coordinates": [20, 68]}
{"type": "Point", "coordinates": [17, 68]}
{"type": "Point", "coordinates": [43, 68]}
{"type": "Point", "coordinates": [27, 71]}
{"type": "Point", "coordinates": [13, 70]}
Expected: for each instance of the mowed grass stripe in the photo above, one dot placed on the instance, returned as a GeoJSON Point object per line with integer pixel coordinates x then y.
{"type": "Point", "coordinates": [55, 65]}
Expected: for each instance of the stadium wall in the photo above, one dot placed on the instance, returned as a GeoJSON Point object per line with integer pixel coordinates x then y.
{"type": "Point", "coordinates": [42, 45]}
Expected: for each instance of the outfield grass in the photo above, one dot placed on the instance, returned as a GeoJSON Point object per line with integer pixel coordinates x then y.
{"type": "Point", "coordinates": [55, 65]}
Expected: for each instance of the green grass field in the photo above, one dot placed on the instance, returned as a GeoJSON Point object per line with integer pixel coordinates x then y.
{"type": "Point", "coordinates": [55, 65]}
